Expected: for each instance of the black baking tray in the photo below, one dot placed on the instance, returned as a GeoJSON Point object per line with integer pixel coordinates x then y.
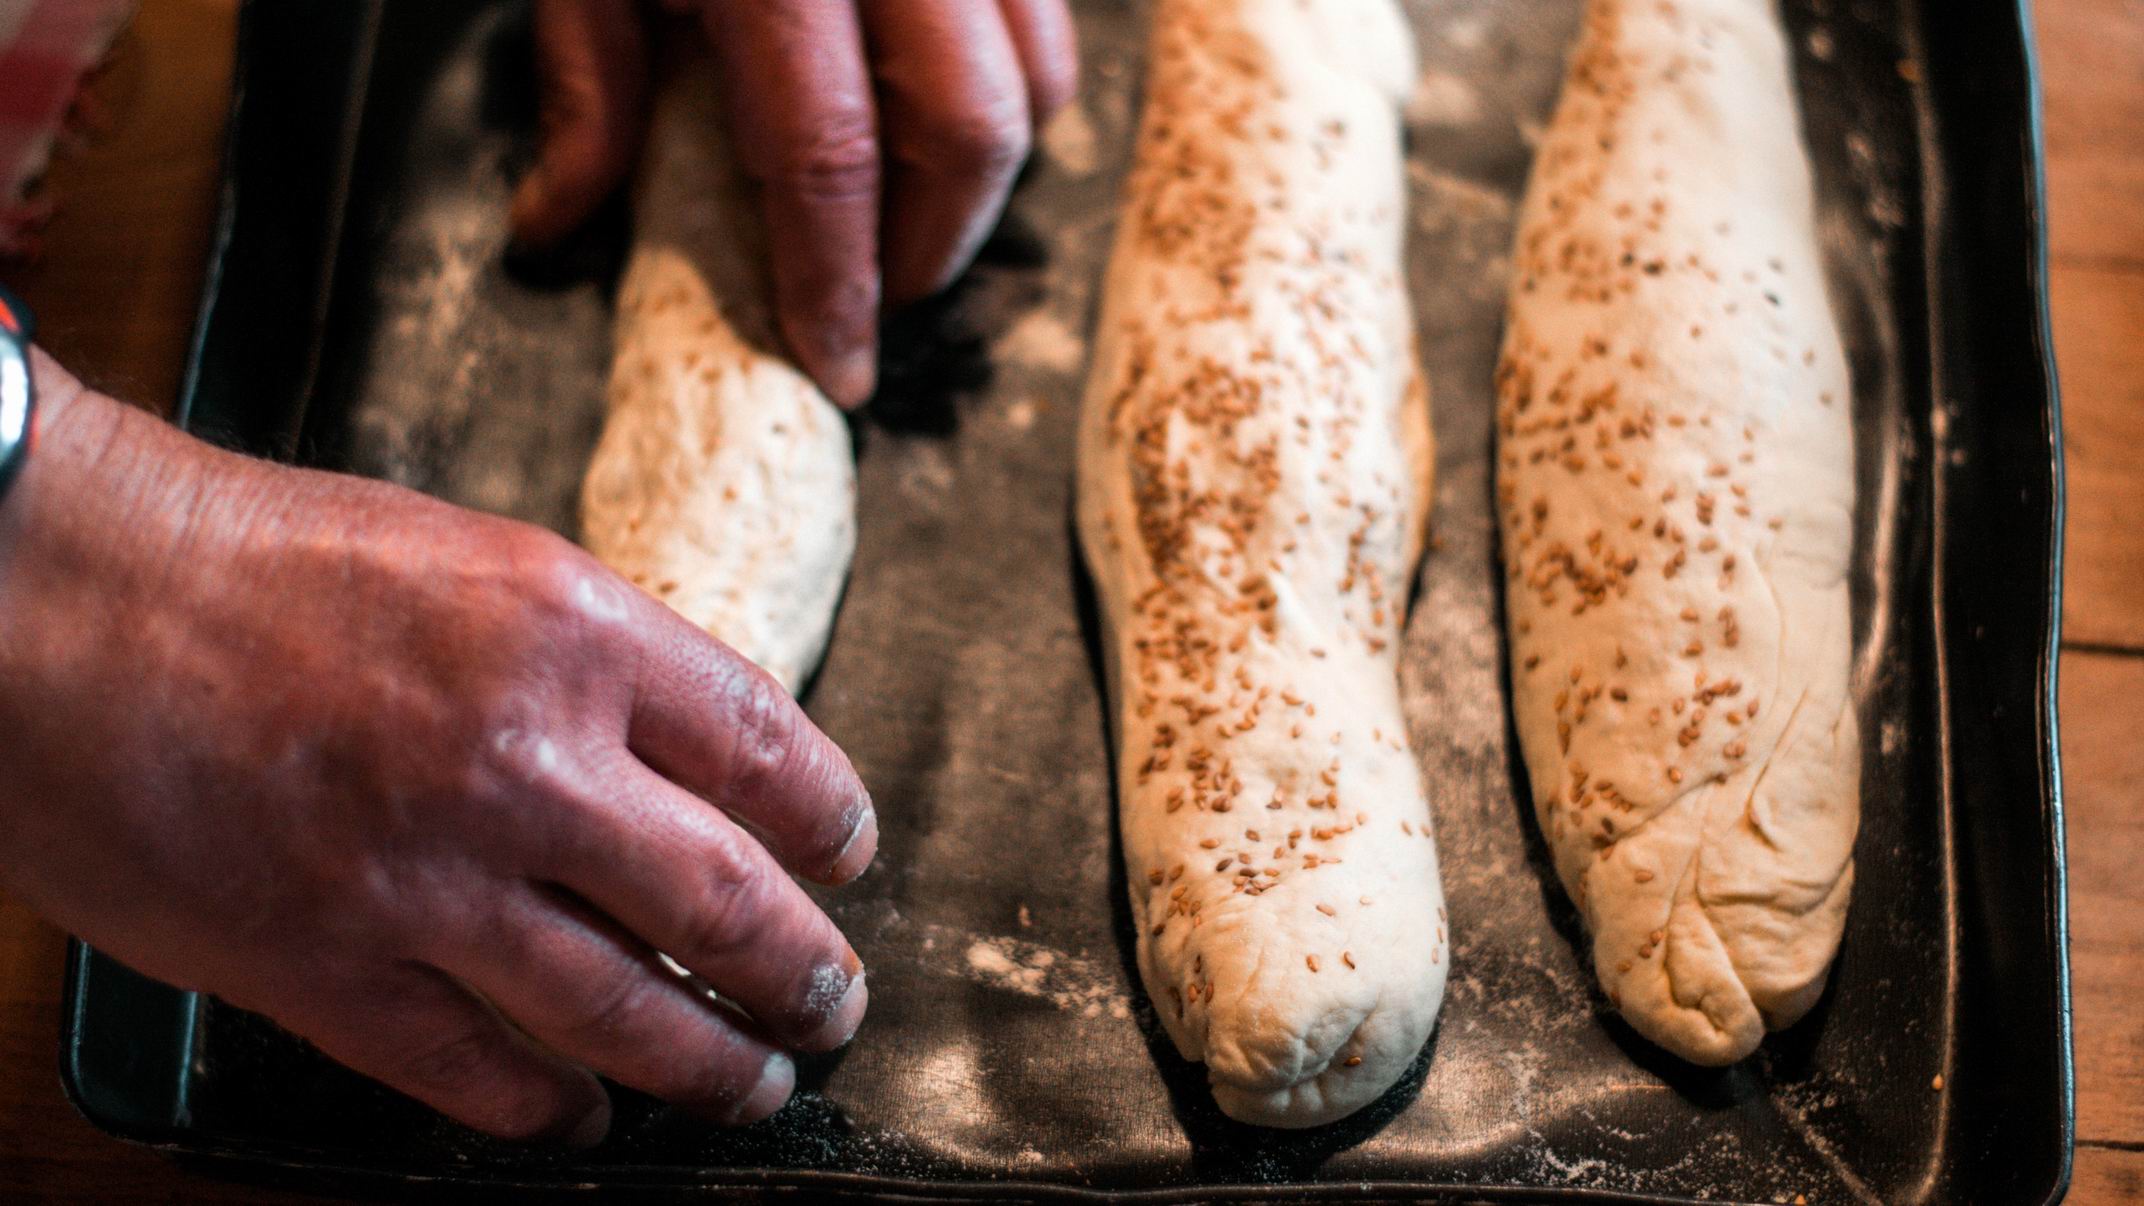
{"type": "Point", "coordinates": [362, 315]}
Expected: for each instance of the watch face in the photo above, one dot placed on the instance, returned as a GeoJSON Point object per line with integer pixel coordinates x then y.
{"type": "Point", "coordinates": [14, 386]}
{"type": "Point", "coordinates": [14, 403]}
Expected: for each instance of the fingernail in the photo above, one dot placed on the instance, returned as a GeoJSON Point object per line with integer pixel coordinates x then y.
{"type": "Point", "coordinates": [834, 1005]}
{"type": "Point", "coordinates": [849, 377]}
{"type": "Point", "coordinates": [777, 1080]}
{"type": "Point", "coordinates": [858, 850]}
{"type": "Point", "coordinates": [592, 1129]}
{"type": "Point", "coordinates": [848, 1016]}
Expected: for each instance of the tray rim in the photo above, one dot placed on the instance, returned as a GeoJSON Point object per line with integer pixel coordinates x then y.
{"type": "Point", "coordinates": [295, 1164]}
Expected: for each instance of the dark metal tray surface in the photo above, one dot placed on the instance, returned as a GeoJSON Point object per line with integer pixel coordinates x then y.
{"type": "Point", "coordinates": [363, 316]}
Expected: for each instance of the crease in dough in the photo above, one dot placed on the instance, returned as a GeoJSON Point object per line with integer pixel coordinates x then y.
{"type": "Point", "coordinates": [1675, 494]}
{"type": "Point", "coordinates": [1253, 494]}
{"type": "Point", "coordinates": [724, 482]}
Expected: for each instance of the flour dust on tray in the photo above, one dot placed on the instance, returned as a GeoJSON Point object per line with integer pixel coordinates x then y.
{"type": "Point", "coordinates": [1254, 462]}
{"type": "Point", "coordinates": [725, 483]}
{"type": "Point", "coordinates": [1676, 494]}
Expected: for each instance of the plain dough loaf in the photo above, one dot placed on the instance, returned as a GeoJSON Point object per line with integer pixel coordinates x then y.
{"type": "Point", "coordinates": [724, 483]}
{"type": "Point", "coordinates": [1676, 494]}
{"type": "Point", "coordinates": [1253, 490]}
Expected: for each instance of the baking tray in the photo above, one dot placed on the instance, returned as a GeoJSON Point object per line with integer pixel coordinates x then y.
{"type": "Point", "coordinates": [362, 315]}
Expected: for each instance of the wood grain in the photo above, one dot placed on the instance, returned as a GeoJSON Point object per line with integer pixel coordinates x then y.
{"type": "Point", "coordinates": [2092, 68]}
{"type": "Point", "coordinates": [117, 293]}
{"type": "Point", "coordinates": [2099, 341]}
{"type": "Point", "coordinates": [2092, 60]}
{"type": "Point", "coordinates": [2104, 1176]}
{"type": "Point", "coordinates": [2102, 764]}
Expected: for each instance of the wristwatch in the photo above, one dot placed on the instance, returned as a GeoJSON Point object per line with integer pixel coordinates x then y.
{"type": "Point", "coordinates": [18, 403]}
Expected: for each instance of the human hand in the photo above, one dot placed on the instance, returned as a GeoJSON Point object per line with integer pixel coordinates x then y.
{"type": "Point", "coordinates": [429, 788]}
{"type": "Point", "coordinates": [886, 135]}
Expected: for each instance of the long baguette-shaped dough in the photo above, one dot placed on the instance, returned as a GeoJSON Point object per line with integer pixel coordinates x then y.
{"type": "Point", "coordinates": [724, 482]}
{"type": "Point", "coordinates": [1253, 492]}
{"type": "Point", "coordinates": [1676, 494]}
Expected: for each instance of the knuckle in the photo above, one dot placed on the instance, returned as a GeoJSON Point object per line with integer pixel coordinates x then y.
{"type": "Point", "coordinates": [608, 1012]}
{"type": "Point", "coordinates": [447, 1061]}
{"type": "Point", "coordinates": [839, 159]}
{"type": "Point", "coordinates": [564, 591]}
{"type": "Point", "coordinates": [522, 763]}
{"type": "Point", "coordinates": [735, 904]}
{"type": "Point", "coordinates": [989, 139]}
{"type": "Point", "coordinates": [765, 740]}
{"type": "Point", "coordinates": [542, 564]}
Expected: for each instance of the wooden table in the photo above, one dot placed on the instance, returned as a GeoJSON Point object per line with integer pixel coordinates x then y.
{"type": "Point", "coordinates": [118, 290]}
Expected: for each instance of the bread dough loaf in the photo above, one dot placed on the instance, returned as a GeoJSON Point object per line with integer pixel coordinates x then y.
{"type": "Point", "coordinates": [724, 483]}
{"type": "Point", "coordinates": [1676, 493]}
{"type": "Point", "coordinates": [1254, 460]}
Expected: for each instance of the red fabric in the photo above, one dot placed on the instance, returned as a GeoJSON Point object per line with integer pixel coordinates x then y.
{"type": "Point", "coordinates": [46, 47]}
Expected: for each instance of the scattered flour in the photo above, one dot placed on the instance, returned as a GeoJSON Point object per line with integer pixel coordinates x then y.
{"type": "Point", "coordinates": [1032, 970]}
{"type": "Point", "coordinates": [1069, 141]}
{"type": "Point", "coordinates": [1443, 99]}
{"type": "Point", "coordinates": [1042, 340]}
{"type": "Point", "coordinates": [1449, 193]}
{"type": "Point", "coordinates": [1467, 32]}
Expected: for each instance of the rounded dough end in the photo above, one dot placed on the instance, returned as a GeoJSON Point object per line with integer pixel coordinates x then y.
{"type": "Point", "coordinates": [1324, 1087]}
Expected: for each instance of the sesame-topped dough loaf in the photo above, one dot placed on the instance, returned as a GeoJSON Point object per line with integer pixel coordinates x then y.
{"type": "Point", "coordinates": [1676, 494]}
{"type": "Point", "coordinates": [1254, 465]}
{"type": "Point", "coordinates": [725, 482]}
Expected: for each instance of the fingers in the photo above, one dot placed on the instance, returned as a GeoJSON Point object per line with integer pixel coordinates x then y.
{"type": "Point", "coordinates": [721, 728]}
{"type": "Point", "coordinates": [955, 123]}
{"type": "Point", "coordinates": [591, 58]}
{"type": "Point", "coordinates": [691, 884]}
{"type": "Point", "coordinates": [594, 995]}
{"type": "Point", "coordinates": [1043, 33]}
{"type": "Point", "coordinates": [801, 114]}
{"type": "Point", "coordinates": [418, 1031]}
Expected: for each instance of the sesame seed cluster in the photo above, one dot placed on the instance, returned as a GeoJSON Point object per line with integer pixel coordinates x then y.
{"type": "Point", "coordinates": [724, 482]}
{"type": "Point", "coordinates": [1674, 494]}
{"type": "Point", "coordinates": [1254, 496]}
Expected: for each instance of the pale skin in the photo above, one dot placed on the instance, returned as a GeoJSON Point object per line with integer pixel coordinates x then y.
{"type": "Point", "coordinates": [432, 788]}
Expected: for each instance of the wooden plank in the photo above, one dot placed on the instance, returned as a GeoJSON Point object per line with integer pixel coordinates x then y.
{"type": "Point", "coordinates": [2102, 763]}
{"type": "Point", "coordinates": [2106, 1176]}
{"type": "Point", "coordinates": [2092, 76]}
{"type": "Point", "coordinates": [2092, 68]}
{"type": "Point", "coordinates": [116, 294]}
{"type": "Point", "coordinates": [2099, 341]}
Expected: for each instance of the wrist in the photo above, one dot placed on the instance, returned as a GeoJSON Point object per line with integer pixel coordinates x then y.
{"type": "Point", "coordinates": [107, 483]}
